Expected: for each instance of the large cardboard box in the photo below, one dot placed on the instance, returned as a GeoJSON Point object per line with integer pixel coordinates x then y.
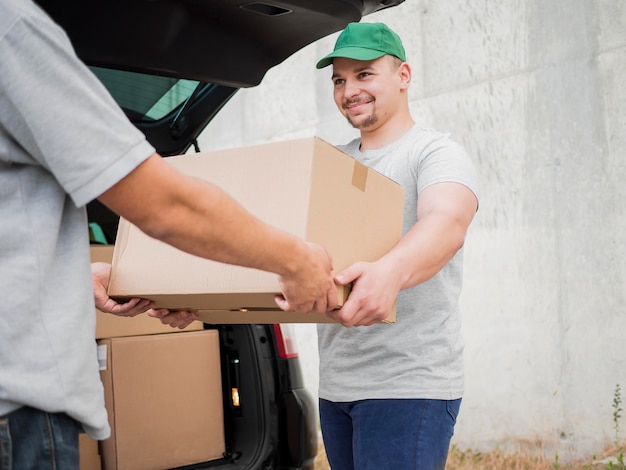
{"type": "Point", "coordinates": [306, 187]}
{"type": "Point", "coordinates": [163, 394]}
{"type": "Point", "coordinates": [112, 326]}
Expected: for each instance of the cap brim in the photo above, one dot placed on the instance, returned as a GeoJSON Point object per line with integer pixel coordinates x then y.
{"type": "Point", "coordinates": [356, 53]}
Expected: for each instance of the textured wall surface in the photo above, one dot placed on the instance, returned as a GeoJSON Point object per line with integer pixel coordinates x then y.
{"type": "Point", "coordinates": [536, 92]}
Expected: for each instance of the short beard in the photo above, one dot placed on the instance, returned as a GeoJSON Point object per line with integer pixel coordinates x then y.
{"type": "Point", "coordinates": [365, 123]}
{"type": "Point", "coordinates": [368, 121]}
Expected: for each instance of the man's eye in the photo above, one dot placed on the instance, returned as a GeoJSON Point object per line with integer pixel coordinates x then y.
{"type": "Point", "coordinates": [339, 81]}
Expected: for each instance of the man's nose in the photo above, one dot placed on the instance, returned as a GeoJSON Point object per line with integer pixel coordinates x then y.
{"type": "Point", "coordinates": [351, 89]}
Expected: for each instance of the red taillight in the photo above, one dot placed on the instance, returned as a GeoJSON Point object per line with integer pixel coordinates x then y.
{"type": "Point", "coordinates": [286, 341]}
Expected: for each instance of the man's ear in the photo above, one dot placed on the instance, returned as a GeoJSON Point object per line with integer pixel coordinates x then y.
{"type": "Point", "coordinates": [405, 74]}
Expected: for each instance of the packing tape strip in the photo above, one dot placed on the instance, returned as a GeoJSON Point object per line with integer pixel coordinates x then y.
{"type": "Point", "coordinates": [359, 175]}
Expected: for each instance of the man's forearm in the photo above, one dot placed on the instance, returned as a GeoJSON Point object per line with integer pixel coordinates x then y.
{"type": "Point", "coordinates": [425, 250]}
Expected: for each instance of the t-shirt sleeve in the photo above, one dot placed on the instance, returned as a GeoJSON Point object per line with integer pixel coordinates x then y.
{"type": "Point", "coordinates": [57, 114]}
{"type": "Point", "coordinates": [445, 161]}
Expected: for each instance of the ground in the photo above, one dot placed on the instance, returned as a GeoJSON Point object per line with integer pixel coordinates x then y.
{"type": "Point", "coordinates": [611, 459]}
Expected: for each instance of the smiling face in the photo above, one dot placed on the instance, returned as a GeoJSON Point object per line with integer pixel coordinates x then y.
{"type": "Point", "coordinates": [370, 93]}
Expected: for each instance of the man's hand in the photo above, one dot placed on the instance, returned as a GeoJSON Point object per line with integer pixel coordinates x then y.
{"type": "Point", "coordinates": [100, 273]}
{"type": "Point", "coordinates": [311, 288]}
{"type": "Point", "coordinates": [444, 212]}
{"type": "Point", "coordinates": [176, 319]}
{"type": "Point", "coordinates": [374, 291]}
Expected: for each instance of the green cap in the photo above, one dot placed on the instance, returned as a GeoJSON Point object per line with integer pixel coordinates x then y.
{"type": "Point", "coordinates": [365, 41]}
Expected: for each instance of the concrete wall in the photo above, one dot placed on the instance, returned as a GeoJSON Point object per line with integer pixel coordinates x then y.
{"type": "Point", "coordinates": [536, 91]}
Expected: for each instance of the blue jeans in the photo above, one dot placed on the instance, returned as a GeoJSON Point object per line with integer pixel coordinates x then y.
{"type": "Point", "coordinates": [388, 434]}
{"type": "Point", "coordinates": [32, 439]}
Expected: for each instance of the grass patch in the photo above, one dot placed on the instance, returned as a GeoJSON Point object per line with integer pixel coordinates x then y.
{"type": "Point", "coordinates": [497, 459]}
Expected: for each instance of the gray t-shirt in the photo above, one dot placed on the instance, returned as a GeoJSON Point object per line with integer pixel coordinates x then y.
{"type": "Point", "coordinates": [421, 355]}
{"type": "Point", "coordinates": [63, 142]}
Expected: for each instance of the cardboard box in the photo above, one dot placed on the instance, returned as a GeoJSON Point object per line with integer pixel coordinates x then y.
{"type": "Point", "coordinates": [89, 454]}
{"type": "Point", "coordinates": [163, 394]}
{"type": "Point", "coordinates": [112, 326]}
{"type": "Point", "coordinates": [306, 187]}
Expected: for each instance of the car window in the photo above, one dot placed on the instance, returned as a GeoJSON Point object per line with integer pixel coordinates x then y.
{"type": "Point", "coordinates": [145, 97]}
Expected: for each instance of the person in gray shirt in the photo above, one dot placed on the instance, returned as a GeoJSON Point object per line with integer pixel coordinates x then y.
{"type": "Point", "coordinates": [390, 393]}
{"type": "Point", "coordinates": [63, 143]}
